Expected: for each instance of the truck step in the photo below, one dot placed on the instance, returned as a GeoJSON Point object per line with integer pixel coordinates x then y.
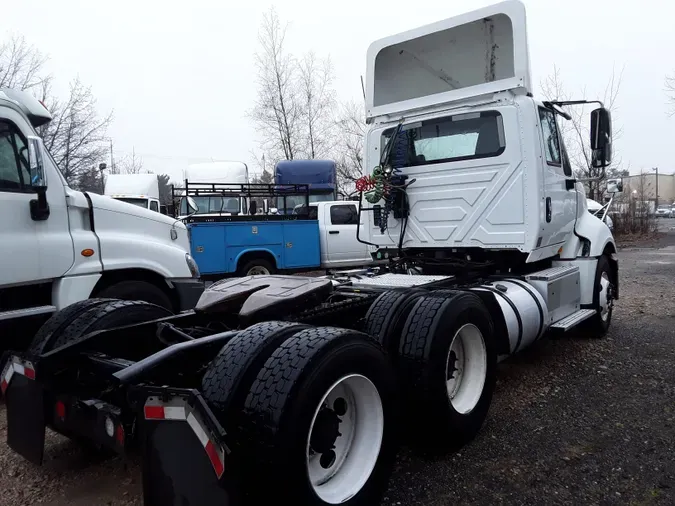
{"type": "Point", "coordinates": [30, 311]}
{"type": "Point", "coordinates": [573, 320]}
{"type": "Point", "coordinates": [553, 273]}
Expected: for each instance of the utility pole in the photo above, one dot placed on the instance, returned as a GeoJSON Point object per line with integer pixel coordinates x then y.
{"type": "Point", "coordinates": [657, 186]}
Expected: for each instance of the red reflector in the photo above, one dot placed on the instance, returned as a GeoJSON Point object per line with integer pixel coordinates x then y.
{"type": "Point", "coordinates": [3, 386]}
{"type": "Point", "coordinates": [29, 373]}
{"type": "Point", "coordinates": [119, 435]}
{"type": "Point", "coordinates": [60, 410]}
{"type": "Point", "coordinates": [214, 458]}
{"type": "Point", "coordinates": [154, 412]}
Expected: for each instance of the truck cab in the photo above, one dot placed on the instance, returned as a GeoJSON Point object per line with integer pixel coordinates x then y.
{"type": "Point", "coordinates": [320, 175]}
{"type": "Point", "coordinates": [61, 246]}
{"type": "Point", "coordinates": [484, 161]}
{"type": "Point", "coordinates": [141, 190]}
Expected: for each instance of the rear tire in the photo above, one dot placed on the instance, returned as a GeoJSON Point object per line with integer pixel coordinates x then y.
{"type": "Point", "coordinates": [448, 359]}
{"type": "Point", "coordinates": [387, 315]}
{"type": "Point", "coordinates": [319, 381]}
{"type": "Point", "coordinates": [103, 315]}
{"type": "Point", "coordinates": [137, 290]}
{"type": "Point", "coordinates": [256, 267]}
{"type": "Point", "coordinates": [230, 375]}
{"type": "Point", "coordinates": [59, 321]}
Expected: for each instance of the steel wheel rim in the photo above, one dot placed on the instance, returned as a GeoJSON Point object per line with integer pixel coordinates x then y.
{"type": "Point", "coordinates": [337, 477]}
{"type": "Point", "coordinates": [466, 368]}
{"type": "Point", "coordinates": [258, 270]}
{"type": "Point", "coordinates": [604, 300]}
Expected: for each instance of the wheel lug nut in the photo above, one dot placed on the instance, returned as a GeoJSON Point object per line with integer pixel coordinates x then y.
{"type": "Point", "coordinates": [327, 459]}
{"type": "Point", "coordinates": [340, 406]}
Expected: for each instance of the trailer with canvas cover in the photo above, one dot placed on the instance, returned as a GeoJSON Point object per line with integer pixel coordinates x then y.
{"type": "Point", "coordinates": [302, 384]}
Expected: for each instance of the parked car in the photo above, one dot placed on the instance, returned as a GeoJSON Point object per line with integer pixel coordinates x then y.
{"type": "Point", "coordinates": [664, 211]}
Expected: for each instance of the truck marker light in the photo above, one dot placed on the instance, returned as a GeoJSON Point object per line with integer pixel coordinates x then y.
{"type": "Point", "coordinates": [119, 435]}
{"type": "Point", "coordinates": [60, 410]}
{"type": "Point", "coordinates": [87, 252]}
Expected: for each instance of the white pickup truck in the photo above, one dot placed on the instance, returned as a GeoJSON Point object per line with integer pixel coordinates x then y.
{"type": "Point", "coordinates": [339, 246]}
{"type": "Point", "coordinates": [60, 246]}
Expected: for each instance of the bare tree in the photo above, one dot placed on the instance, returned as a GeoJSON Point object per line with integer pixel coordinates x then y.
{"type": "Point", "coordinates": [130, 164]}
{"type": "Point", "coordinates": [350, 129]}
{"type": "Point", "coordinates": [76, 135]}
{"type": "Point", "coordinates": [670, 93]}
{"type": "Point", "coordinates": [276, 113]}
{"type": "Point", "coordinates": [317, 100]}
{"type": "Point", "coordinates": [21, 65]}
{"type": "Point", "coordinates": [576, 132]}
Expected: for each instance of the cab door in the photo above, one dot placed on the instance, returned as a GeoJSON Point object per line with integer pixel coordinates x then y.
{"type": "Point", "coordinates": [340, 222]}
{"type": "Point", "coordinates": [560, 195]}
{"type": "Point", "coordinates": [19, 247]}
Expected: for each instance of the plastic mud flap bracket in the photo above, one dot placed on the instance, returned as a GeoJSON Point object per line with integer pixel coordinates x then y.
{"type": "Point", "coordinates": [24, 398]}
{"type": "Point", "coordinates": [184, 452]}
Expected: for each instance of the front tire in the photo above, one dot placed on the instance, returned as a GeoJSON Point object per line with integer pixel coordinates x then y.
{"type": "Point", "coordinates": [603, 298]}
{"type": "Point", "coordinates": [322, 420]}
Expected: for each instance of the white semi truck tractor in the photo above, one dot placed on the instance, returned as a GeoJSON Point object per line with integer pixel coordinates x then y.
{"type": "Point", "coordinates": [302, 386]}
{"type": "Point", "coordinates": [60, 246]}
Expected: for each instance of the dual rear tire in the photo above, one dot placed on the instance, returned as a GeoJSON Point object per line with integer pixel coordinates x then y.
{"type": "Point", "coordinates": [311, 411]}
{"type": "Point", "coordinates": [444, 347]}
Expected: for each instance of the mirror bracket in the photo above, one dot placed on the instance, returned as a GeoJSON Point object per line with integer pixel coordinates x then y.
{"type": "Point", "coordinates": [39, 208]}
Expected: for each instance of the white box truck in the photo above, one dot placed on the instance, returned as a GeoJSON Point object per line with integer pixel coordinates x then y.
{"type": "Point", "coordinates": [141, 190]}
{"type": "Point", "coordinates": [61, 246]}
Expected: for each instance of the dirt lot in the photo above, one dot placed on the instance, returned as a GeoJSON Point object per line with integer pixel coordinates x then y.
{"type": "Point", "coordinates": [574, 421]}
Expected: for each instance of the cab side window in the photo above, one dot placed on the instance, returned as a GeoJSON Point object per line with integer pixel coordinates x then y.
{"type": "Point", "coordinates": [14, 167]}
{"type": "Point", "coordinates": [549, 130]}
{"type": "Point", "coordinates": [344, 215]}
{"type": "Point", "coordinates": [154, 206]}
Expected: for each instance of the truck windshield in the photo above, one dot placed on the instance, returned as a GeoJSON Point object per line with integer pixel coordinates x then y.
{"type": "Point", "coordinates": [137, 202]}
{"type": "Point", "coordinates": [293, 201]}
{"type": "Point", "coordinates": [210, 204]}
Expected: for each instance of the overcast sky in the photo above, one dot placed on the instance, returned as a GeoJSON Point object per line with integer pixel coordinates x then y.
{"type": "Point", "coordinates": [180, 75]}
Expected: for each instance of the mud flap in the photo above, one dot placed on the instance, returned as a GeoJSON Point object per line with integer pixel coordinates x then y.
{"type": "Point", "coordinates": [184, 453]}
{"type": "Point", "coordinates": [26, 418]}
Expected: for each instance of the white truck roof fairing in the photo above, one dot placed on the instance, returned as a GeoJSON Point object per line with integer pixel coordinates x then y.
{"type": "Point", "coordinates": [478, 53]}
{"type": "Point", "coordinates": [33, 108]}
{"type": "Point", "coordinates": [120, 185]}
{"type": "Point", "coordinates": [217, 172]}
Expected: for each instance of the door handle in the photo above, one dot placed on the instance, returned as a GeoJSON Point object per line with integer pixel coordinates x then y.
{"type": "Point", "coordinates": [333, 231]}
{"type": "Point", "coordinates": [549, 210]}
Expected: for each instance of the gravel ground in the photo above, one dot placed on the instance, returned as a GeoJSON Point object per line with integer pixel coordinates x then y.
{"type": "Point", "coordinates": [575, 420]}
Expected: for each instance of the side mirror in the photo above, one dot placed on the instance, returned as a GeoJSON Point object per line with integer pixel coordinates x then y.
{"type": "Point", "coordinates": [38, 178]}
{"type": "Point", "coordinates": [601, 137]}
{"type": "Point", "coordinates": [614, 186]}
{"type": "Point", "coordinates": [266, 206]}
